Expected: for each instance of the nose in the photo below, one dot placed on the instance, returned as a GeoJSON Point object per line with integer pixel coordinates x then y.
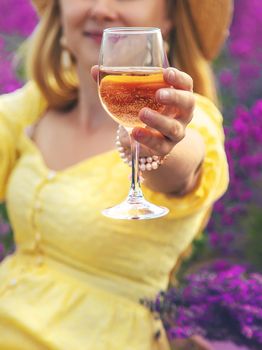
{"type": "Point", "coordinates": [104, 11]}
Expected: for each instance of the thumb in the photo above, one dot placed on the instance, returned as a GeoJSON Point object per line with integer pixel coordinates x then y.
{"type": "Point", "coordinates": [94, 72]}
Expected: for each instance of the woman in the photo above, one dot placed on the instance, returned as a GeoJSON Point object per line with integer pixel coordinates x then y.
{"type": "Point", "coordinates": [76, 278]}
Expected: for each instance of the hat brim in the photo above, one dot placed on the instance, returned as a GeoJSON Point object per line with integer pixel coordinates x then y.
{"type": "Point", "coordinates": [211, 23]}
{"type": "Point", "coordinates": [40, 5]}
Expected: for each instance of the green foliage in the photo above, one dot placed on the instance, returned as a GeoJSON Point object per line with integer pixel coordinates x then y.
{"type": "Point", "coordinates": [6, 239]}
{"type": "Point", "coordinates": [254, 238]}
{"type": "Point", "coordinates": [200, 253]}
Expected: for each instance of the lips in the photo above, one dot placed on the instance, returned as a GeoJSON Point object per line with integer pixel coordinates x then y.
{"type": "Point", "coordinates": [94, 35]}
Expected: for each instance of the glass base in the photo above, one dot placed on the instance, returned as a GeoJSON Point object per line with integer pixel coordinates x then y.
{"type": "Point", "coordinates": [142, 210]}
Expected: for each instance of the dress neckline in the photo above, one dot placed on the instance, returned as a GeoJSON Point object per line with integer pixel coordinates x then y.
{"type": "Point", "coordinates": [68, 169]}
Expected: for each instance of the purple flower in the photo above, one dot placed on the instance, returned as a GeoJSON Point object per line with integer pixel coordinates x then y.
{"type": "Point", "coordinates": [18, 22]}
{"type": "Point", "coordinates": [4, 229]}
{"type": "Point", "coordinates": [19, 17]}
{"type": "Point", "coordinates": [9, 81]}
{"type": "Point", "coordinates": [221, 302]}
{"type": "Point", "coordinates": [226, 78]}
{"type": "Point", "coordinates": [2, 251]}
{"type": "Point", "coordinates": [245, 45]}
{"type": "Point", "coordinates": [244, 152]}
{"type": "Point", "coordinates": [241, 83]}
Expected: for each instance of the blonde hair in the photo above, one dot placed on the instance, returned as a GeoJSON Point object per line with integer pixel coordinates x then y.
{"type": "Point", "coordinates": [60, 87]}
{"type": "Point", "coordinates": [43, 63]}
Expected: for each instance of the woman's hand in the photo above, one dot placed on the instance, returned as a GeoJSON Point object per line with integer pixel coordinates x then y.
{"type": "Point", "coordinates": [166, 134]}
{"type": "Point", "coordinates": [164, 131]}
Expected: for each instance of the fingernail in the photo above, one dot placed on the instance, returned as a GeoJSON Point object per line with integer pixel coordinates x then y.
{"type": "Point", "coordinates": [171, 75]}
{"type": "Point", "coordinates": [138, 133]}
{"type": "Point", "coordinates": [164, 95]}
{"type": "Point", "coordinates": [145, 115]}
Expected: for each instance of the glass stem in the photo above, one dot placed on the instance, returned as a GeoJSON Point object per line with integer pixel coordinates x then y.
{"type": "Point", "coordinates": [135, 194]}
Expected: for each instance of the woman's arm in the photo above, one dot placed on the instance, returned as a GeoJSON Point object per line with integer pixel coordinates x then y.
{"type": "Point", "coordinates": [167, 134]}
{"type": "Point", "coordinates": [180, 172]}
{"type": "Point", "coordinates": [187, 147]}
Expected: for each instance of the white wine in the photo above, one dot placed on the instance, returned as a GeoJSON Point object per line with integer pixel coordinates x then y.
{"type": "Point", "coordinates": [124, 92]}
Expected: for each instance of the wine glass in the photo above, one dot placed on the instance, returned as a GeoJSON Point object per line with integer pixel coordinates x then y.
{"type": "Point", "coordinates": [131, 64]}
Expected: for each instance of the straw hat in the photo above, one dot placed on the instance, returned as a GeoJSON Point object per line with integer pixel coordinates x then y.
{"type": "Point", "coordinates": [210, 20]}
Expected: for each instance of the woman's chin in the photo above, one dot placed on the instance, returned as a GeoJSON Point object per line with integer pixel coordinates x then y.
{"type": "Point", "coordinates": [89, 59]}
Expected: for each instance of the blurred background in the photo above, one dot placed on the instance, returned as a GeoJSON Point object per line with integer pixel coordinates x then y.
{"type": "Point", "coordinates": [231, 247]}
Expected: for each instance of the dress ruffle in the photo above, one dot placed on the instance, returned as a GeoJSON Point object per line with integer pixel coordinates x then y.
{"type": "Point", "coordinates": [56, 311]}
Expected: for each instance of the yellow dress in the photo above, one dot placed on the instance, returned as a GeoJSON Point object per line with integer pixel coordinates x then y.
{"type": "Point", "coordinates": [76, 278]}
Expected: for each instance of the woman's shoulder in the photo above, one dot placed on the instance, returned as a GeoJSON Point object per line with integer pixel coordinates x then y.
{"type": "Point", "coordinates": [23, 105]}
